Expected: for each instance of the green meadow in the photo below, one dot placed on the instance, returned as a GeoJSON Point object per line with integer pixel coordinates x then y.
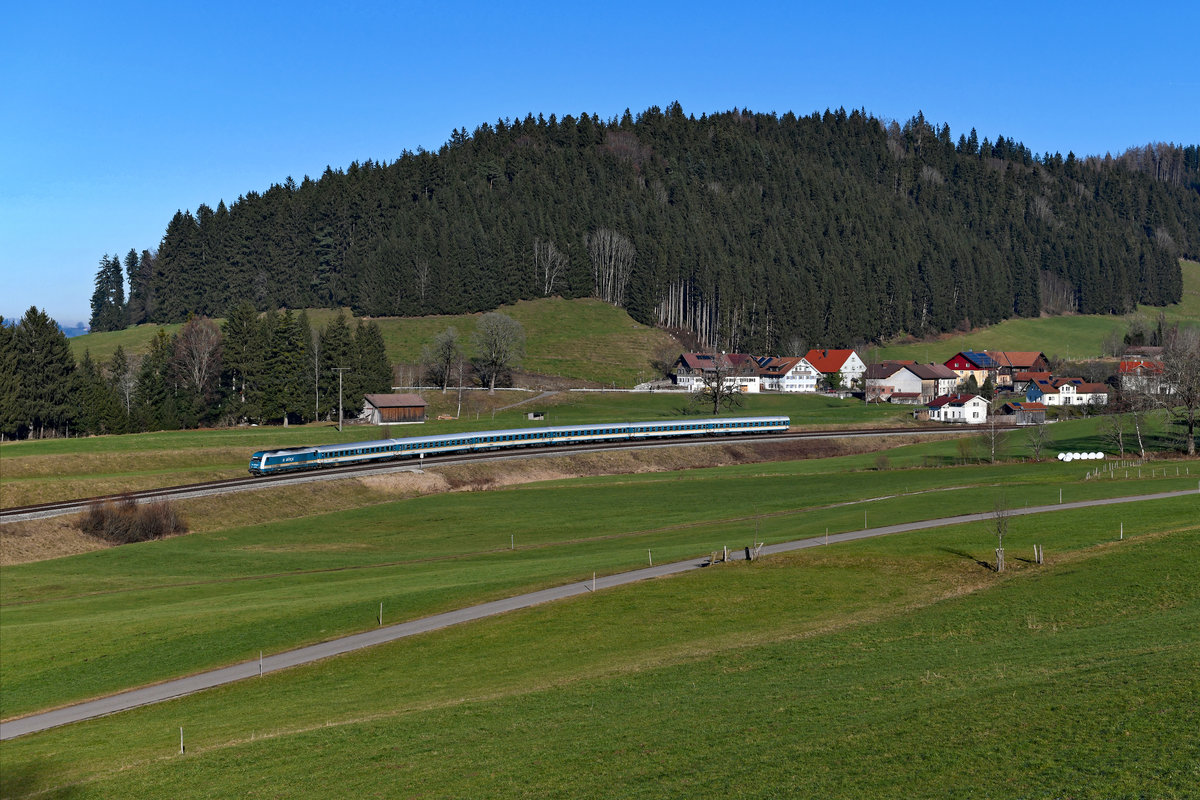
{"type": "Point", "coordinates": [887, 667]}
{"type": "Point", "coordinates": [582, 340]}
{"type": "Point", "coordinates": [103, 621]}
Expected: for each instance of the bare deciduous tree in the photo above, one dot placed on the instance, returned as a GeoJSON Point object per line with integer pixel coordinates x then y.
{"type": "Point", "coordinates": [719, 386]}
{"type": "Point", "coordinates": [548, 264]}
{"type": "Point", "coordinates": [440, 357]}
{"type": "Point", "coordinates": [1181, 377]}
{"type": "Point", "coordinates": [421, 271]}
{"type": "Point", "coordinates": [1112, 430]}
{"type": "Point", "coordinates": [995, 436]}
{"type": "Point", "coordinates": [1036, 440]}
{"type": "Point", "coordinates": [198, 353]}
{"type": "Point", "coordinates": [1000, 517]}
{"type": "Point", "coordinates": [612, 257]}
{"type": "Point", "coordinates": [499, 346]}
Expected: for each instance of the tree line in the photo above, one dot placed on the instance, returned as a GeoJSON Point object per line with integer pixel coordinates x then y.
{"type": "Point", "coordinates": [744, 228]}
{"type": "Point", "coordinates": [262, 368]}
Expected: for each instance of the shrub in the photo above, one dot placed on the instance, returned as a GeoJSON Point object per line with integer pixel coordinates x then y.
{"type": "Point", "coordinates": [123, 520]}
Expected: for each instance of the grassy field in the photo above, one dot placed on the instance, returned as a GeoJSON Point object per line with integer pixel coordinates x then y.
{"type": "Point", "coordinates": [95, 623]}
{"type": "Point", "coordinates": [895, 666]}
{"type": "Point", "coordinates": [582, 340]}
{"type": "Point", "coordinates": [1070, 338]}
{"type": "Point", "coordinates": [54, 469]}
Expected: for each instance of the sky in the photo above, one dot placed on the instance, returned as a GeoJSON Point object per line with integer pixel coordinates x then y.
{"type": "Point", "coordinates": [113, 116]}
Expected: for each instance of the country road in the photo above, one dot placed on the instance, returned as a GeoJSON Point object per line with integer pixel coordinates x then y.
{"type": "Point", "coordinates": [167, 690]}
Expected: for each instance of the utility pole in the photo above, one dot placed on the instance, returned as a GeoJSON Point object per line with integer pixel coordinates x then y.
{"type": "Point", "coordinates": [339, 371]}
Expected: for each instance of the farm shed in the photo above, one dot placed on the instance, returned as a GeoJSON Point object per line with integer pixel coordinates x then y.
{"type": "Point", "coordinates": [386, 409]}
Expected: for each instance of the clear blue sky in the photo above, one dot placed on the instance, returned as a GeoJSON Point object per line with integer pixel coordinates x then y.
{"type": "Point", "coordinates": [115, 115]}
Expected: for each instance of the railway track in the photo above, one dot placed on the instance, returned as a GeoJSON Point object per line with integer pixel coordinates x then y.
{"type": "Point", "coordinates": [230, 485]}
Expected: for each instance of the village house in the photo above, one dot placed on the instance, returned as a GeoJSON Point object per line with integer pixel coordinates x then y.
{"type": "Point", "coordinates": [787, 375]}
{"type": "Point", "coordinates": [966, 409]}
{"type": "Point", "coordinates": [893, 382]}
{"type": "Point", "coordinates": [842, 368]}
{"type": "Point", "coordinates": [1067, 392]}
{"type": "Point", "coordinates": [1010, 363]}
{"type": "Point", "coordinates": [390, 409]}
{"type": "Point", "coordinates": [1024, 413]}
{"type": "Point", "coordinates": [1143, 376]}
{"type": "Point", "coordinates": [936, 380]}
{"type": "Point", "coordinates": [971, 363]}
{"type": "Point", "coordinates": [740, 371]}
{"type": "Point", "coordinates": [1023, 380]}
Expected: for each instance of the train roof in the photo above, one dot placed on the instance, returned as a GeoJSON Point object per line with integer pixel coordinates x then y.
{"type": "Point", "coordinates": [325, 448]}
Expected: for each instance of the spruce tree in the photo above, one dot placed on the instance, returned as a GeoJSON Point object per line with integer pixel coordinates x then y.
{"type": "Point", "coordinates": [46, 368]}
{"type": "Point", "coordinates": [243, 346]}
{"type": "Point", "coordinates": [371, 361]}
{"type": "Point", "coordinates": [10, 382]}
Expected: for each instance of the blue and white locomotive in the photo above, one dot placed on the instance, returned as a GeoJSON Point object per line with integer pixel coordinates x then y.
{"type": "Point", "coordinates": [266, 462]}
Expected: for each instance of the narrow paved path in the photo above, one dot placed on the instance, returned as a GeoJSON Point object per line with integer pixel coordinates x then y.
{"type": "Point", "coordinates": [304, 655]}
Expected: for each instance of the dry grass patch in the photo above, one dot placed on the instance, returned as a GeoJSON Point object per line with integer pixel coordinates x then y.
{"type": "Point", "coordinates": [39, 540]}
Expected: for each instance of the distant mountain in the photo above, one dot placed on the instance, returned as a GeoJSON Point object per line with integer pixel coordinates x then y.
{"type": "Point", "coordinates": [78, 329]}
{"type": "Point", "coordinates": [753, 231]}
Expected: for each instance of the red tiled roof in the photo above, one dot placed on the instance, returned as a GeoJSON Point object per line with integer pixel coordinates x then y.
{"type": "Point", "coordinates": [828, 361]}
{"type": "Point", "coordinates": [1017, 359]}
{"type": "Point", "coordinates": [1140, 368]}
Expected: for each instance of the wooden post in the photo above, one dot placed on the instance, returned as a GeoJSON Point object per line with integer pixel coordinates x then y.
{"type": "Point", "coordinates": [381, 613]}
{"type": "Point", "coordinates": [181, 741]}
{"type": "Point", "coordinates": [650, 556]}
{"type": "Point", "coordinates": [1122, 530]}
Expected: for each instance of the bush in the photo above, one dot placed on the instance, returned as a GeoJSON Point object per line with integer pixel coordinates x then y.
{"type": "Point", "coordinates": [123, 521]}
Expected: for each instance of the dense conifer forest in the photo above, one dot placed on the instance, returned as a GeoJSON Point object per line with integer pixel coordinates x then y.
{"type": "Point", "coordinates": [752, 231]}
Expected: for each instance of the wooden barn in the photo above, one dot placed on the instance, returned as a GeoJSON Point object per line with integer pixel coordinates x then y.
{"type": "Point", "coordinates": [393, 409]}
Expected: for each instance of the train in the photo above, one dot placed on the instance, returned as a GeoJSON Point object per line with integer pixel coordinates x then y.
{"type": "Point", "coordinates": [269, 462]}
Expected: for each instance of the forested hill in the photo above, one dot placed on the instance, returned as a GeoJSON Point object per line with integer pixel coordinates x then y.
{"type": "Point", "coordinates": [755, 231]}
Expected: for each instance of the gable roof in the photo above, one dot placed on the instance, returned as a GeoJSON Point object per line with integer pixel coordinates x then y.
{"type": "Point", "coordinates": [887, 369]}
{"type": "Point", "coordinates": [1025, 405]}
{"type": "Point", "coordinates": [952, 400]}
{"type": "Point", "coordinates": [978, 359]}
{"type": "Point", "coordinates": [932, 372]}
{"type": "Point", "coordinates": [1140, 368]}
{"type": "Point", "coordinates": [828, 361]}
{"type": "Point", "coordinates": [1017, 359]}
{"type": "Point", "coordinates": [394, 400]}
{"type": "Point", "coordinates": [778, 367]}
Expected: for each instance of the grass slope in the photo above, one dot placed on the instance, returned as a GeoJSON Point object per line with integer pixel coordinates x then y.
{"type": "Point", "coordinates": [103, 621]}
{"type": "Point", "coordinates": [582, 340]}
{"type": "Point", "coordinates": [882, 668]}
{"type": "Point", "coordinates": [1072, 337]}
